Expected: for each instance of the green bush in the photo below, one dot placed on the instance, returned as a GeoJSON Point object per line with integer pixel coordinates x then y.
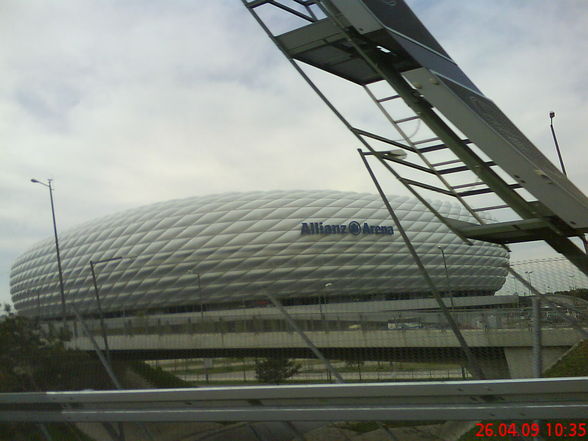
{"type": "Point", "coordinates": [32, 359]}
{"type": "Point", "coordinates": [275, 370]}
{"type": "Point", "coordinates": [572, 364]}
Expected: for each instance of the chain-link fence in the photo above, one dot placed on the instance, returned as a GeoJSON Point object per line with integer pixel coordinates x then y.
{"type": "Point", "coordinates": [375, 339]}
{"type": "Point", "coordinates": [549, 276]}
{"type": "Point", "coordinates": [380, 339]}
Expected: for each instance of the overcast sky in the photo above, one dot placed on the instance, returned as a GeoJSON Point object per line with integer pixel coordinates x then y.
{"type": "Point", "coordinates": [124, 103]}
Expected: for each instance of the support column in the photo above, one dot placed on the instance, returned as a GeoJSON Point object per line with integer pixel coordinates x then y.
{"type": "Point", "coordinates": [495, 367]}
{"type": "Point", "coordinates": [520, 360]}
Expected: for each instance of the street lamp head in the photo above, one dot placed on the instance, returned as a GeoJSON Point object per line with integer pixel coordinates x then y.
{"type": "Point", "coordinates": [36, 181]}
{"type": "Point", "coordinates": [396, 154]}
{"type": "Point", "coordinates": [552, 114]}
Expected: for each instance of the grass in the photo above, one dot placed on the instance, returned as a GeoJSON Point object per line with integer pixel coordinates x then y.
{"type": "Point", "coordinates": [158, 377]}
{"type": "Point", "coordinates": [573, 364]}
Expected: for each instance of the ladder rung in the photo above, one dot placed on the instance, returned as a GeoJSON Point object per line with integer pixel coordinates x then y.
{"type": "Point", "coordinates": [407, 119]}
{"type": "Point", "coordinates": [453, 170]}
{"type": "Point", "coordinates": [382, 139]}
{"type": "Point", "coordinates": [453, 161]}
{"type": "Point", "coordinates": [411, 165]}
{"type": "Point", "coordinates": [433, 148]}
{"type": "Point", "coordinates": [383, 155]}
{"type": "Point", "coordinates": [306, 2]}
{"type": "Point", "coordinates": [475, 192]}
{"type": "Point", "coordinates": [255, 3]}
{"type": "Point", "coordinates": [485, 190]}
{"type": "Point", "coordinates": [473, 184]}
{"type": "Point", "coordinates": [427, 186]}
{"type": "Point", "coordinates": [493, 207]}
{"type": "Point", "coordinates": [388, 98]}
{"type": "Point", "coordinates": [461, 168]}
{"type": "Point", "coordinates": [424, 141]}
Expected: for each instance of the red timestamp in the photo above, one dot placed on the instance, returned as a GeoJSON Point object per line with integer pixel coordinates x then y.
{"type": "Point", "coordinates": [559, 430]}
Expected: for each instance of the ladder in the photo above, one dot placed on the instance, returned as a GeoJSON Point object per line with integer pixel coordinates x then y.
{"type": "Point", "coordinates": [442, 136]}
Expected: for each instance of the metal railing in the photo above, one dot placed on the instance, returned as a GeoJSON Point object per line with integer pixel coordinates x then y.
{"type": "Point", "coordinates": [515, 318]}
{"type": "Point", "coordinates": [459, 400]}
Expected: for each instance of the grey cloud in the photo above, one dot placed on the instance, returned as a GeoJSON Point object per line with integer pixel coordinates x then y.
{"type": "Point", "coordinates": [130, 103]}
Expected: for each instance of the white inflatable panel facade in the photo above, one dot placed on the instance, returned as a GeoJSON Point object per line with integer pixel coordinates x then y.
{"type": "Point", "coordinates": [233, 248]}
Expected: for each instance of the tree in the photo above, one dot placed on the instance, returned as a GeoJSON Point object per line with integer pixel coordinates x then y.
{"type": "Point", "coordinates": [34, 359]}
{"type": "Point", "coordinates": [275, 370]}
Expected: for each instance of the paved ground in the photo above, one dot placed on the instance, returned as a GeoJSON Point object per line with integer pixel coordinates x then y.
{"type": "Point", "coordinates": [262, 432]}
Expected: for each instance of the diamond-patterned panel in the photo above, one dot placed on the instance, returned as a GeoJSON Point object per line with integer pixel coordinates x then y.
{"type": "Point", "coordinates": [242, 245]}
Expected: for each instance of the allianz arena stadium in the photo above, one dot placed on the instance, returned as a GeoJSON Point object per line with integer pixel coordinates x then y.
{"type": "Point", "coordinates": [229, 250]}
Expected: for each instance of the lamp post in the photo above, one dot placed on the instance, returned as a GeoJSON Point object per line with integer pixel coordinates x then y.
{"type": "Point", "coordinates": [201, 298]}
{"type": "Point", "coordinates": [449, 291]}
{"type": "Point", "coordinates": [199, 293]}
{"type": "Point", "coordinates": [528, 273]}
{"type": "Point", "coordinates": [326, 286]}
{"type": "Point", "coordinates": [93, 264]}
{"type": "Point", "coordinates": [61, 289]}
{"type": "Point", "coordinates": [395, 154]}
{"type": "Point", "coordinates": [38, 305]}
{"type": "Point", "coordinates": [563, 168]}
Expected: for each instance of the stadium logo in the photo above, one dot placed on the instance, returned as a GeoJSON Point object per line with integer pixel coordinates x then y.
{"type": "Point", "coordinates": [353, 227]}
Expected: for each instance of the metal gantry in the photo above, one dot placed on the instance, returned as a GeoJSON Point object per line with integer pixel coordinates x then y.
{"type": "Point", "coordinates": [470, 151]}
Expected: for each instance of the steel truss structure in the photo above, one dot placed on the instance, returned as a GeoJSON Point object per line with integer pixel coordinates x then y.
{"type": "Point", "coordinates": [383, 48]}
{"type": "Point", "coordinates": [443, 401]}
{"type": "Point", "coordinates": [374, 43]}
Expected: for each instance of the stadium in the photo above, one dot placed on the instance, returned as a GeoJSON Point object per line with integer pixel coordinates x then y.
{"type": "Point", "coordinates": [228, 251]}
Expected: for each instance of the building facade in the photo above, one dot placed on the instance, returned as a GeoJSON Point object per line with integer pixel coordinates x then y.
{"type": "Point", "coordinates": [232, 249]}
